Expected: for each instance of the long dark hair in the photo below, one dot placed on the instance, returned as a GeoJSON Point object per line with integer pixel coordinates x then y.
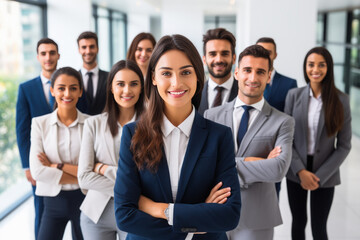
{"type": "Point", "coordinates": [69, 71]}
{"type": "Point", "coordinates": [334, 110]}
{"type": "Point", "coordinates": [111, 106]}
{"type": "Point", "coordinates": [147, 142]}
{"type": "Point", "coordinates": [134, 44]}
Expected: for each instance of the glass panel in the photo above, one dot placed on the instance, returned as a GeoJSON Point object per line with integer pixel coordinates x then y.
{"type": "Point", "coordinates": [102, 12]}
{"type": "Point", "coordinates": [320, 28]}
{"type": "Point", "coordinates": [118, 41]}
{"type": "Point", "coordinates": [355, 106]}
{"type": "Point", "coordinates": [22, 26]}
{"type": "Point", "coordinates": [104, 46]}
{"type": "Point", "coordinates": [336, 27]}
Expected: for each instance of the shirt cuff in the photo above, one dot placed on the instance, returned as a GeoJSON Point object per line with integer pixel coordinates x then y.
{"type": "Point", "coordinates": [171, 214]}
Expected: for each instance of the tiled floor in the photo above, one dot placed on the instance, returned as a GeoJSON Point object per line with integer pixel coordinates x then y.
{"type": "Point", "coordinates": [343, 224]}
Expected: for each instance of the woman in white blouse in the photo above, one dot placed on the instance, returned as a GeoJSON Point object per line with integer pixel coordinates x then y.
{"type": "Point", "coordinates": [322, 140]}
{"type": "Point", "coordinates": [54, 153]}
{"type": "Point", "coordinates": [100, 150]}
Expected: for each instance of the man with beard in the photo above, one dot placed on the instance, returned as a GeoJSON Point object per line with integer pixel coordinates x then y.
{"type": "Point", "coordinates": [219, 56]}
{"type": "Point", "coordinates": [263, 139]}
{"type": "Point", "coordinates": [34, 99]}
{"type": "Point", "coordinates": [94, 78]}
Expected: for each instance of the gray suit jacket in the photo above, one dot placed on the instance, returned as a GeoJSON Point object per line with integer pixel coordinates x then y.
{"type": "Point", "coordinates": [330, 152]}
{"type": "Point", "coordinates": [260, 209]}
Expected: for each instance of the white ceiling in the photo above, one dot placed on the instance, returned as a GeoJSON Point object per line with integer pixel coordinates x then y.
{"type": "Point", "coordinates": [153, 7]}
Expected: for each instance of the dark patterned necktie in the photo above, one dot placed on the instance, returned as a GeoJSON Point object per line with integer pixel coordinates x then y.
{"type": "Point", "coordinates": [218, 97]}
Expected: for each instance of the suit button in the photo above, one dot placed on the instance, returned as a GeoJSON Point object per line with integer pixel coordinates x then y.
{"type": "Point", "coordinates": [186, 230]}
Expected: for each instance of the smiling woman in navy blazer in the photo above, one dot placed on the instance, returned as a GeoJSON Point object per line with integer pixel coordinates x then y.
{"type": "Point", "coordinates": [322, 140]}
{"type": "Point", "coordinates": [171, 159]}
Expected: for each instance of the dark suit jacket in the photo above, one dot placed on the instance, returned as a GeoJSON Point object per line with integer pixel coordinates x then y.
{"type": "Point", "coordinates": [204, 105]}
{"type": "Point", "coordinates": [99, 101]}
{"type": "Point", "coordinates": [31, 103]}
{"type": "Point", "coordinates": [276, 94]}
{"type": "Point", "coordinates": [209, 159]}
{"type": "Point", "coordinates": [330, 152]}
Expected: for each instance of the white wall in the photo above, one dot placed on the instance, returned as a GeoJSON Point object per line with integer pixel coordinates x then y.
{"type": "Point", "coordinates": [183, 17]}
{"type": "Point", "coordinates": [66, 20]}
{"type": "Point", "coordinates": [292, 24]}
{"type": "Point", "coordinates": [137, 23]}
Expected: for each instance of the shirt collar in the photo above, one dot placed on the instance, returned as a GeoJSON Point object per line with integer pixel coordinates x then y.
{"type": "Point", "coordinates": [95, 70]}
{"type": "Point", "coordinates": [55, 120]}
{"type": "Point", "coordinates": [185, 126]}
{"type": "Point", "coordinates": [272, 76]}
{"type": "Point", "coordinates": [44, 80]}
{"type": "Point", "coordinates": [227, 84]}
{"type": "Point", "coordinates": [258, 106]}
{"type": "Point", "coordinates": [311, 94]}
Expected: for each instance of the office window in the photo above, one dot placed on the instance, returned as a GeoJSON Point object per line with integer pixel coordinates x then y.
{"type": "Point", "coordinates": [111, 28]}
{"type": "Point", "coordinates": [339, 32]}
{"type": "Point", "coordinates": [227, 22]}
{"type": "Point", "coordinates": [23, 25]}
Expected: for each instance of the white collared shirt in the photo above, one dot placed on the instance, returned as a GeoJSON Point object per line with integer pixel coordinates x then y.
{"type": "Point", "coordinates": [95, 78]}
{"type": "Point", "coordinates": [176, 140]}
{"type": "Point", "coordinates": [272, 76]}
{"type": "Point", "coordinates": [69, 141]}
{"type": "Point", "coordinates": [225, 93]}
{"type": "Point", "coordinates": [239, 111]}
{"type": "Point", "coordinates": [117, 138]}
{"type": "Point", "coordinates": [46, 87]}
{"type": "Point", "coordinates": [315, 106]}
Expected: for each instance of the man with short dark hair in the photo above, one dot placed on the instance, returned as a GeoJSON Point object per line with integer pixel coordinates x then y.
{"type": "Point", "coordinates": [276, 91]}
{"type": "Point", "coordinates": [34, 99]}
{"type": "Point", "coordinates": [219, 56]}
{"type": "Point", "coordinates": [94, 78]}
{"type": "Point", "coordinates": [263, 145]}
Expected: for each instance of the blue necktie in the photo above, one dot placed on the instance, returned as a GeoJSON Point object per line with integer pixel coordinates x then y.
{"type": "Point", "coordinates": [243, 124]}
{"type": "Point", "coordinates": [51, 98]}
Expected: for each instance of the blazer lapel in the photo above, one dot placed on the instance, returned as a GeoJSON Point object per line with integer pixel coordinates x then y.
{"type": "Point", "coordinates": [321, 126]}
{"type": "Point", "coordinates": [228, 116]}
{"type": "Point", "coordinates": [255, 127]}
{"type": "Point", "coordinates": [43, 100]}
{"type": "Point", "coordinates": [53, 137]}
{"type": "Point", "coordinates": [196, 142]}
{"type": "Point", "coordinates": [163, 178]}
{"type": "Point", "coordinates": [304, 109]}
{"type": "Point", "coordinates": [233, 91]}
{"type": "Point", "coordinates": [274, 86]}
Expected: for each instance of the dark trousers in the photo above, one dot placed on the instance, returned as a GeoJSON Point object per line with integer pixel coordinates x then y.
{"type": "Point", "coordinates": [58, 211]}
{"type": "Point", "coordinates": [320, 204]}
{"type": "Point", "coordinates": [39, 208]}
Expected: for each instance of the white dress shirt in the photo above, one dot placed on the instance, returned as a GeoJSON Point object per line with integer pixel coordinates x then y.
{"type": "Point", "coordinates": [95, 78]}
{"type": "Point", "coordinates": [69, 142]}
{"type": "Point", "coordinates": [176, 140]}
{"type": "Point", "coordinates": [239, 111]}
{"type": "Point", "coordinates": [315, 106]}
{"type": "Point", "coordinates": [46, 86]}
{"type": "Point", "coordinates": [272, 76]}
{"type": "Point", "coordinates": [225, 93]}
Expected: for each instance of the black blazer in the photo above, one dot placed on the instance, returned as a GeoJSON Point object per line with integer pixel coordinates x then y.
{"type": "Point", "coordinates": [100, 98]}
{"type": "Point", "coordinates": [204, 105]}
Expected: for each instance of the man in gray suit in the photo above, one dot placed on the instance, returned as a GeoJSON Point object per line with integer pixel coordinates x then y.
{"type": "Point", "coordinates": [263, 145]}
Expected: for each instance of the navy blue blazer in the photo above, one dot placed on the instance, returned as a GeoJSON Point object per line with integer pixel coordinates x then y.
{"type": "Point", "coordinates": [98, 104]}
{"type": "Point", "coordinates": [209, 159]}
{"type": "Point", "coordinates": [204, 104]}
{"type": "Point", "coordinates": [275, 94]}
{"type": "Point", "coordinates": [31, 103]}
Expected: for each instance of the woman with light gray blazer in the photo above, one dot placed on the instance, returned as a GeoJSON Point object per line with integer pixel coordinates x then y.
{"type": "Point", "coordinates": [100, 150]}
{"type": "Point", "coordinates": [322, 140]}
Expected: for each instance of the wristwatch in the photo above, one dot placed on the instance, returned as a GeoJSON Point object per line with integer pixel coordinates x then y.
{"type": "Point", "coordinates": [166, 212]}
{"type": "Point", "coordinates": [60, 166]}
